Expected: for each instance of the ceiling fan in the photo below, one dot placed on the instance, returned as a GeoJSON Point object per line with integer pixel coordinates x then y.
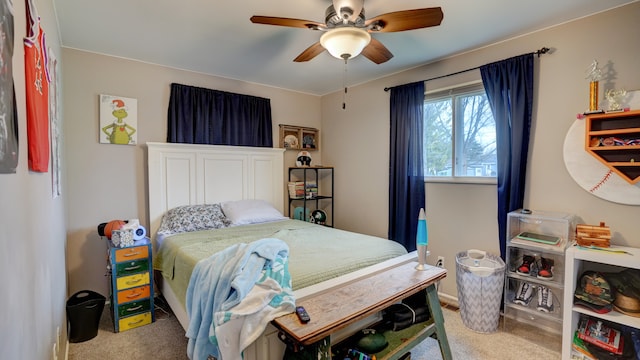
{"type": "Point", "coordinates": [347, 30]}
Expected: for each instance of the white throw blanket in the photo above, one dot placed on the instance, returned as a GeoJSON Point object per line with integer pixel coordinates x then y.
{"type": "Point", "coordinates": [234, 294]}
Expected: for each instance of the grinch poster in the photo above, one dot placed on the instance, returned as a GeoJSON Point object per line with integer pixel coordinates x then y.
{"type": "Point", "coordinates": [118, 120]}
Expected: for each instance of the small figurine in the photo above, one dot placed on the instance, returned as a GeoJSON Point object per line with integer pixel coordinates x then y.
{"type": "Point", "coordinates": [614, 97]}
{"type": "Point", "coordinates": [594, 73]}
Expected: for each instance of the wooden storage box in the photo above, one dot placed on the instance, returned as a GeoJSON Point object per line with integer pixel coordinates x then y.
{"type": "Point", "coordinates": [593, 235]}
{"type": "Point", "coordinates": [299, 137]}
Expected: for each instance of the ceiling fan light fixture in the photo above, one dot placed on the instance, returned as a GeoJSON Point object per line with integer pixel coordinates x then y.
{"type": "Point", "coordinates": [345, 42]}
{"type": "Point", "coordinates": [348, 9]}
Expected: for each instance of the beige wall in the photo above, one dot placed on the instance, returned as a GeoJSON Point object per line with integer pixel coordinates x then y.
{"type": "Point", "coordinates": [32, 231]}
{"type": "Point", "coordinates": [107, 181]}
{"type": "Point", "coordinates": [463, 217]}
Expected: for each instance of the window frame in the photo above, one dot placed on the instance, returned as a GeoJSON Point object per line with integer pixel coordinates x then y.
{"type": "Point", "coordinates": [448, 93]}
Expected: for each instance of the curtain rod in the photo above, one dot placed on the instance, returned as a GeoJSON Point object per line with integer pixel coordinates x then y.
{"type": "Point", "coordinates": [542, 51]}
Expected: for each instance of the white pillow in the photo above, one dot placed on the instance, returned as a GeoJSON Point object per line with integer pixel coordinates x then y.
{"type": "Point", "coordinates": [243, 212]}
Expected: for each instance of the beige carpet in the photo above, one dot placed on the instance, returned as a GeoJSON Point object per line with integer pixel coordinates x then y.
{"type": "Point", "coordinates": [164, 340]}
{"type": "Point", "coordinates": [520, 343]}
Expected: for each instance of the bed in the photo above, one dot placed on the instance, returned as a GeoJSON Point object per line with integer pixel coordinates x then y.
{"type": "Point", "coordinates": [239, 180]}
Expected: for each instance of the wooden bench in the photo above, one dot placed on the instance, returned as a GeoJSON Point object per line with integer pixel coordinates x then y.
{"type": "Point", "coordinates": [351, 302]}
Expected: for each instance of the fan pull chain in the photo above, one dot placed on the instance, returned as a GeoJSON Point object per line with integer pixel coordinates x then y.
{"type": "Point", "coordinates": [344, 84]}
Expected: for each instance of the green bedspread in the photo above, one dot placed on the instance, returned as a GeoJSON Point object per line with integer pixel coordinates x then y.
{"type": "Point", "coordinates": [316, 253]}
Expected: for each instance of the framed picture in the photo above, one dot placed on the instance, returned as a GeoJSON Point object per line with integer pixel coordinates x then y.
{"type": "Point", "coordinates": [118, 120]}
{"type": "Point", "coordinates": [55, 131]}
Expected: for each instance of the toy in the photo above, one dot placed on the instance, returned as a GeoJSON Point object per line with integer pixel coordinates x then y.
{"type": "Point", "coordinates": [113, 225]}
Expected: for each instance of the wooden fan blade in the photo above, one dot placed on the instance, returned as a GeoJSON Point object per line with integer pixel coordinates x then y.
{"type": "Point", "coordinates": [406, 20]}
{"type": "Point", "coordinates": [298, 23]}
{"type": "Point", "coordinates": [311, 52]}
{"type": "Point", "coordinates": [376, 52]}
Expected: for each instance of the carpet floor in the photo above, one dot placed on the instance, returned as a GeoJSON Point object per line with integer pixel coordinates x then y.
{"type": "Point", "coordinates": [165, 340]}
{"type": "Point", "coordinates": [520, 342]}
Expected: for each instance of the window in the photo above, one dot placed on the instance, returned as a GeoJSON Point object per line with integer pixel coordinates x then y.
{"type": "Point", "coordinates": [459, 135]}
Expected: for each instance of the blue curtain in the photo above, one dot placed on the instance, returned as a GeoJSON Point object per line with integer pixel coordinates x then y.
{"type": "Point", "coordinates": [205, 116]}
{"type": "Point", "coordinates": [406, 175]}
{"type": "Point", "coordinates": [509, 87]}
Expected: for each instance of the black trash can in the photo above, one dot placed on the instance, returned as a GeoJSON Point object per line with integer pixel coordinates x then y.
{"type": "Point", "coordinates": [84, 310]}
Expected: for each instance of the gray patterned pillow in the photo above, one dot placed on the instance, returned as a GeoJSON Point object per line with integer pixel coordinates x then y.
{"type": "Point", "coordinates": [193, 218]}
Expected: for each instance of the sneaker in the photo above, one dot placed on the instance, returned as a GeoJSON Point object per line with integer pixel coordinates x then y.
{"type": "Point", "coordinates": [545, 272]}
{"type": "Point", "coordinates": [525, 268]}
{"type": "Point", "coordinates": [524, 294]}
{"type": "Point", "coordinates": [545, 299]}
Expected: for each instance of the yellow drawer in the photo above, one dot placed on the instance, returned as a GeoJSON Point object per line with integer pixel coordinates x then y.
{"type": "Point", "coordinates": [132, 253]}
{"type": "Point", "coordinates": [134, 321]}
{"type": "Point", "coordinates": [130, 281]}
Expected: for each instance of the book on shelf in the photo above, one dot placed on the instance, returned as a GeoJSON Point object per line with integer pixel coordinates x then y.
{"type": "Point", "coordinates": [550, 247]}
{"type": "Point", "coordinates": [598, 333]}
{"type": "Point", "coordinates": [296, 189]}
{"type": "Point", "coordinates": [580, 356]}
{"type": "Point", "coordinates": [538, 238]}
{"type": "Point", "coordinates": [580, 347]}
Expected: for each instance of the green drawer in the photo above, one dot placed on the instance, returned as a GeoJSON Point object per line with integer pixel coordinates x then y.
{"type": "Point", "coordinates": [132, 267]}
{"type": "Point", "coordinates": [135, 307]}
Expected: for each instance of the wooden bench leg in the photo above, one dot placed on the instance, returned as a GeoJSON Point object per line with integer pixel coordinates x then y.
{"type": "Point", "coordinates": [317, 351]}
{"type": "Point", "coordinates": [438, 319]}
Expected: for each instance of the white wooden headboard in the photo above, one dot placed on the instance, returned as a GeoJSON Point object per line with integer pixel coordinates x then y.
{"type": "Point", "coordinates": [187, 174]}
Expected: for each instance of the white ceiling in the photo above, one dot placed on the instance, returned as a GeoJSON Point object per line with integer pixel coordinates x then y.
{"type": "Point", "coordinates": [216, 37]}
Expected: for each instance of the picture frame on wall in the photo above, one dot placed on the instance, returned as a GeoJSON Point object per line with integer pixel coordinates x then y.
{"type": "Point", "coordinates": [118, 120]}
{"type": "Point", "coordinates": [55, 130]}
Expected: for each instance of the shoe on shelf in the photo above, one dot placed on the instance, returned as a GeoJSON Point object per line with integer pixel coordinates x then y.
{"type": "Point", "coordinates": [545, 299]}
{"type": "Point", "coordinates": [524, 294]}
{"type": "Point", "coordinates": [545, 272]}
{"type": "Point", "coordinates": [525, 267]}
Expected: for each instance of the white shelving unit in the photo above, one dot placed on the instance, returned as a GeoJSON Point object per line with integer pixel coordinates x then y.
{"type": "Point", "coordinates": [578, 260]}
{"type": "Point", "coordinates": [517, 314]}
